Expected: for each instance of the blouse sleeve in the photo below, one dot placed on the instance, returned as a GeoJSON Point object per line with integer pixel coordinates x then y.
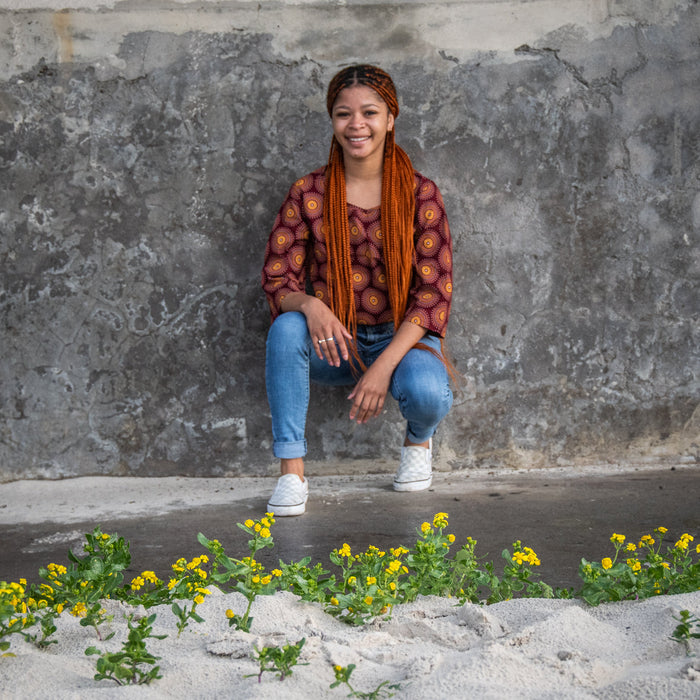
{"type": "Point", "coordinates": [430, 296]}
{"type": "Point", "coordinates": [284, 270]}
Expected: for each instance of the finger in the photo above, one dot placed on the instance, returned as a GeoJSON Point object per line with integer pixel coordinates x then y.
{"type": "Point", "coordinates": [342, 347]}
{"type": "Point", "coordinates": [355, 405]}
{"type": "Point", "coordinates": [332, 350]}
{"type": "Point", "coordinates": [318, 347]}
{"type": "Point", "coordinates": [329, 351]}
{"type": "Point", "coordinates": [364, 409]}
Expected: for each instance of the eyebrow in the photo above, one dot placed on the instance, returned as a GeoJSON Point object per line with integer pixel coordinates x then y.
{"type": "Point", "coordinates": [342, 106]}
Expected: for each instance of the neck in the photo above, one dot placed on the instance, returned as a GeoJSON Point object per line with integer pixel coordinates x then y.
{"type": "Point", "coordinates": [362, 170]}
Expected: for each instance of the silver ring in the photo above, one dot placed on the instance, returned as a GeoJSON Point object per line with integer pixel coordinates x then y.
{"type": "Point", "coordinates": [328, 340]}
{"type": "Point", "coordinates": [321, 341]}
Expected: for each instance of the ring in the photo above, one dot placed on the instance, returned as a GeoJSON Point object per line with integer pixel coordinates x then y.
{"type": "Point", "coordinates": [328, 340]}
{"type": "Point", "coordinates": [321, 341]}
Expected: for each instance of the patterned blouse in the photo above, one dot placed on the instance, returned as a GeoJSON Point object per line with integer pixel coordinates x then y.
{"type": "Point", "coordinates": [296, 253]}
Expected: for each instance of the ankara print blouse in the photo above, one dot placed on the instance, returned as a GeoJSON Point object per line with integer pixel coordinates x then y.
{"type": "Point", "coordinates": [296, 253]}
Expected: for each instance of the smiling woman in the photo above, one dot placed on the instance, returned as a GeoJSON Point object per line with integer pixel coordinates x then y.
{"type": "Point", "coordinates": [370, 236]}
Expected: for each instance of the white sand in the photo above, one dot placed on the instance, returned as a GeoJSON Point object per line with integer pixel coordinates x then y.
{"type": "Point", "coordinates": [519, 649]}
{"type": "Point", "coordinates": [432, 648]}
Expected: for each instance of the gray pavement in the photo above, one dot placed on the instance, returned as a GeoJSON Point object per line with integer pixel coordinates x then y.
{"type": "Point", "coordinates": [563, 514]}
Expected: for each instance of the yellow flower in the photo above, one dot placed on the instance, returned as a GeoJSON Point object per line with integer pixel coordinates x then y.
{"type": "Point", "coordinates": [265, 533]}
{"type": "Point", "coordinates": [371, 580]}
{"type": "Point", "coordinates": [425, 528]}
{"type": "Point", "coordinates": [179, 565]}
{"type": "Point", "coordinates": [276, 572]}
{"type": "Point", "coordinates": [172, 583]}
{"type": "Point", "coordinates": [149, 576]}
{"type": "Point", "coordinates": [230, 614]}
{"type": "Point", "coordinates": [392, 586]}
{"type": "Point", "coordinates": [249, 523]}
{"type": "Point", "coordinates": [631, 547]}
{"type": "Point", "coordinates": [617, 538]}
{"type": "Point", "coordinates": [661, 530]}
{"type": "Point", "coordinates": [607, 563]}
{"type": "Point", "coordinates": [57, 569]}
{"type": "Point", "coordinates": [646, 539]}
{"type": "Point", "coordinates": [394, 567]}
{"type": "Point", "coordinates": [344, 551]}
{"type": "Point", "coordinates": [681, 544]}
{"type": "Point", "coordinates": [665, 564]}
{"type": "Point", "coordinates": [137, 583]}
{"type": "Point", "coordinates": [257, 527]}
{"type": "Point", "coordinates": [264, 522]}
{"type": "Point", "coordinates": [440, 520]}
{"type": "Point", "coordinates": [265, 580]}
{"type": "Point", "coordinates": [79, 610]}
{"type": "Point", "coordinates": [351, 581]}
{"type": "Point", "coordinates": [334, 601]}
{"type": "Point", "coordinates": [105, 536]}
{"type": "Point", "coordinates": [59, 608]}
{"type": "Point", "coordinates": [368, 600]}
{"type": "Point", "coordinates": [451, 539]}
{"type": "Point", "coordinates": [256, 579]}
{"type": "Point", "coordinates": [199, 599]}
{"type": "Point", "coordinates": [634, 564]}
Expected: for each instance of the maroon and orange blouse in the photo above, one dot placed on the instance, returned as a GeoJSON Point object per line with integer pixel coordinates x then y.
{"type": "Point", "coordinates": [296, 253]}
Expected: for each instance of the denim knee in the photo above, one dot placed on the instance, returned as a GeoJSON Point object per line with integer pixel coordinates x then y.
{"type": "Point", "coordinates": [426, 401]}
{"type": "Point", "coordinates": [287, 331]}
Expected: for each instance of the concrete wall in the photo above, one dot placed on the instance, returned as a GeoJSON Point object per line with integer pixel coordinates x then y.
{"type": "Point", "coordinates": [146, 146]}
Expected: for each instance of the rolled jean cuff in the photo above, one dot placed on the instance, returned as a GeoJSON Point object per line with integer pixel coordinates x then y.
{"type": "Point", "coordinates": [289, 450]}
{"type": "Point", "coordinates": [417, 439]}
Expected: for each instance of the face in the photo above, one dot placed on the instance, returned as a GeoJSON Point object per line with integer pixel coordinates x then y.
{"type": "Point", "coordinates": [361, 120]}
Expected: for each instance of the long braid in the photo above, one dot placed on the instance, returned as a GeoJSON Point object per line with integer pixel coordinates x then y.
{"type": "Point", "coordinates": [340, 294]}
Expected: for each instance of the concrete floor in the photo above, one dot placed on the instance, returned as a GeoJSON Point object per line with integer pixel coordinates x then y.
{"type": "Point", "coordinates": [562, 514]}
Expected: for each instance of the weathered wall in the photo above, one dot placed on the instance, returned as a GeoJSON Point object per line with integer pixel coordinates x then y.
{"type": "Point", "coordinates": [145, 149]}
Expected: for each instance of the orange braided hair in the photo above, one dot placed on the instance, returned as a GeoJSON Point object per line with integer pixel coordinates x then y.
{"type": "Point", "coordinates": [397, 208]}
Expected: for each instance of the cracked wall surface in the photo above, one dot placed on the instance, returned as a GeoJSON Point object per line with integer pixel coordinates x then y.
{"type": "Point", "coordinates": [146, 147]}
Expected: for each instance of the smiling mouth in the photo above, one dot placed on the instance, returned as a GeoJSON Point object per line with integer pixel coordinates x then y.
{"type": "Point", "coordinates": [358, 139]}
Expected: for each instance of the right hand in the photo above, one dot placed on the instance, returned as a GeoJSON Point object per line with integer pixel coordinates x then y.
{"type": "Point", "coordinates": [325, 327]}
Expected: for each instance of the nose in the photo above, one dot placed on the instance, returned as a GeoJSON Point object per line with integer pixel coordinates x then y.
{"type": "Point", "coordinates": [356, 119]}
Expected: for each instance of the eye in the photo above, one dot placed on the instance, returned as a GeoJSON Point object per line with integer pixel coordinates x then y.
{"type": "Point", "coordinates": [371, 112]}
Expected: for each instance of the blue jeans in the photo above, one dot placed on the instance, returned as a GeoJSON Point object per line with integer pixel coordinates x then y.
{"type": "Point", "coordinates": [420, 383]}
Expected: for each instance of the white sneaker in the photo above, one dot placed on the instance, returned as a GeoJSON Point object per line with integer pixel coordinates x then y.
{"type": "Point", "coordinates": [289, 496]}
{"type": "Point", "coordinates": [415, 471]}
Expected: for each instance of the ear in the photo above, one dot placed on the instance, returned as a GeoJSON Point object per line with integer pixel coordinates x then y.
{"type": "Point", "coordinates": [390, 122]}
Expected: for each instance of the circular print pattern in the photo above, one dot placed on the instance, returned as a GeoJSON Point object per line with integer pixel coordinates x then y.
{"type": "Point", "coordinates": [313, 204]}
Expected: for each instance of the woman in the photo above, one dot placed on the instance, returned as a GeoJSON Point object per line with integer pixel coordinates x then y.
{"type": "Point", "coordinates": [370, 238]}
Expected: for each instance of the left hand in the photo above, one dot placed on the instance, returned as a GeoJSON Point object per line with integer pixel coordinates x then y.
{"type": "Point", "coordinates": [369, 393]}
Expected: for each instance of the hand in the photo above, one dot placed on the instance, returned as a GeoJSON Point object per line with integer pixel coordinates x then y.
{"type": "Point", "coordinates": [369, 393]}
{"type": "Point", "coordinates": [329, 336]}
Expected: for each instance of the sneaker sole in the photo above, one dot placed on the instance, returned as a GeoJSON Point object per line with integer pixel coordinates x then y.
{"type": "Point", "coordinates": [283, 511]}
{"type": "Point", "coordinates": [413, 485]}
